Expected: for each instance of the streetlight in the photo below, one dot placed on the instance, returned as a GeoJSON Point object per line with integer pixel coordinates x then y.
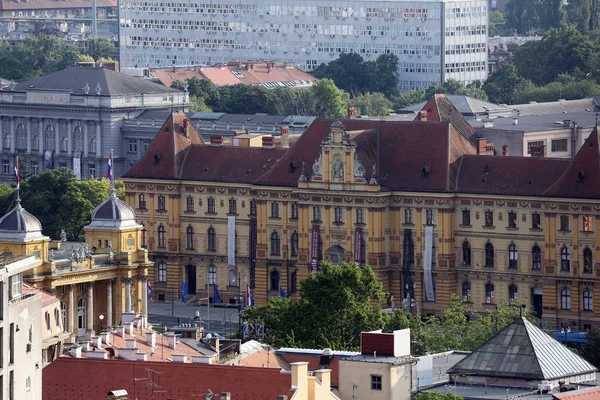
{"type": "Point", "coordinates": [101, 318]}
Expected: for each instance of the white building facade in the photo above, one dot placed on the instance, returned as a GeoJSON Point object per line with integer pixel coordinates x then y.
{"type": "Point", "coordinates": [434, 40]}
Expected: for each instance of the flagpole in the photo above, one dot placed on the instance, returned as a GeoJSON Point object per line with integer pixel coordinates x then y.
{"type": "Point", "coordinates": [112, 174]}
{"type": "Point", "coordinates": [17, 175]}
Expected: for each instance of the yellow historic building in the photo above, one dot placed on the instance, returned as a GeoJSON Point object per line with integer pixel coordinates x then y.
{"type": "Point", "coordinates": [106, 275]}
{"type": "Point", "coordinates": [425, 203]}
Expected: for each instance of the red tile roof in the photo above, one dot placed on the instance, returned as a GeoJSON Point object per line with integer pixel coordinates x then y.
{"type": "Point", "coordinates": [70, 378]}
{"type": "Point", "coordinates": [582, 394]}
{"type": "Point", "coordinates": [440, 108]}
{"type": "Point", "coordinates": [53, 4]}
{"type": "Point", "coordinates": [582, 178]}
{"type": "Point", "coordinates": [256, 73]}
{"type": "Point", "coordinates": [167, 76]}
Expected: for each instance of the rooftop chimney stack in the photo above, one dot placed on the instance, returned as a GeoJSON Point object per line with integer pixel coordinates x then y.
{"type": "Point", "coordinates": [216, 140]}
{"type": "Point", "coordinates": [268, 142]}
{"type": "Point", "coordinates": [269, 67]}
{"type": "Point", "coordinates": [225, 395]}
{"type": "Point", "coordinates": [151, 339]}
{"type": "Point", "coordinates": [351, 112]}
{"type": "Point", "coordinates": [422, 115]}
{"type": "Point", "coordinates": [186, 128]}
{"type": "Point", "coordinates": [505, 150]}
{"type": "Point", "coordinates": [172, 340]}
{"type": "Point", "coordinates": [284, 131]}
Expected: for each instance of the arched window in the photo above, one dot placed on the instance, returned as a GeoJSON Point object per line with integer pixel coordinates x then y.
{"type": "Point", "coordinates": [81, 314]}
{"type": "Point", "coordinates": [49, 138]}
{"type": "Point", "coordinates": [565, 299]}
{"type": "Point", "coordinates": [294, 252]}
{"type": "Point", "coordinates": [565, 259]}
{"type": "Point", "coordinates": [212, 275]}
{"type": "Point", "coordinates": [161, 236]}
{"type": "Point", "coordinates": [57, 318]}
{"type": "Point", "coordinates": [466, 292]}
{"type": "Point", "coordinates": [190, 237]}
{"type": "Point", "coordinates": [466, 253]}
{"type": "Point", "coordinates": [274, 210]}
{"type": "Point", "coordinates": [587, 260]}
{"type": "Point", "coordinates": [536, 257]}
{"type": "Point", "coordinates": [489, 293]}
{"type": "Point", "coordinates": [63, 313]}
{"type": "Point", "coordinates": [275, 280]}
{"type": "Point", "coordinates": [512, 255]}
{"type": "Point", "coordinates": [35, 142]}
{"type": "Point", "coordinates": [6, 141]}
{"type": "Point", "coordinates": [92, 147]}
{"type": "Point", "coordinates": [513, 293]}
{"type": "Point", "coordinates": [588, 300]}
{"type": "Point", "coordinates": [64, 144]}
{"type": "Point", "coordinates": [275, 244]}
{"type": "Point", "coordinates": [21, 137]}
{"type": "Point", "coordinates": [489, 254]}
{"type": "Point", "coordinates": [144, 232]}
{"type": "Point", "coordinates": [588, 304]}
{"type": "Point", "coordinates": [212, 239]}
{"type": "Point", "coordinates": [48, 321]}
{"type": "Point", "coordinates": [161, 272]}
{"type": "Point", "coordinates": [78, 138]}
{"type": "Point", "coordinates": [410, 250]}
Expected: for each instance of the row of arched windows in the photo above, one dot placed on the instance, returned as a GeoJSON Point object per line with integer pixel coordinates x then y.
{"type": "Point", "coordinates": [536, 257]}
{"type": "Point", "coordinates": [50, 140]}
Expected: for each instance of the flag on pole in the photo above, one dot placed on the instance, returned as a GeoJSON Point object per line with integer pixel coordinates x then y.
{"type": "Point", "coordinates": [17, 177]}
{"type": "Point", "coordinates": [109, 170]}
{"type": "Point", "coordinates": [216, 297]}
{"type": "Point", "coordinates": [184, 290]}
{"type": "Point", "coordinates": [149, 291]}
{"type": "Point", "coordinates": [282, 292]}
{"type": "Point", "coordinates": [249, 298]}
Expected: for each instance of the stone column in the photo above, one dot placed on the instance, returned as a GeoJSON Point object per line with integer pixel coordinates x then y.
{"type": "Point", "coordinates": [109, 303]}
{"type": "Point", "coordinates": [41, 136]}
{"type": "Point", "coordinates": [57, 137]}
{"type": "Point", "coordinates": [71, 312]}
{"type": "Point", "coordinates": [86, 138]}
{"type": "Point", "coordinates": [127, 294]}
{"type": "Point", "coordinates": [98, 140]}
{"type": "Point", "coordinates": [145, 299]}
{"type": "Point", "coordinates": [90, 311]}
{"type": "Point", "coordinates": [28, 127]}
{"type": "Point", "coordinates": [13, 135]}
{"type": "Point", "coordinates": [70, 137]}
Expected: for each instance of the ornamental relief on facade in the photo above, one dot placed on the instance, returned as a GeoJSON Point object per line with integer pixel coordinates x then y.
{"type": "Point", "coordinates": [317, 167]}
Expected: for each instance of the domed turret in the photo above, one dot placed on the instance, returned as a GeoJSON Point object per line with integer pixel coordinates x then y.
{"type": "Point", "coordinates": [20, 226]}
{"type": "Point", "coordinates": [113, 214]}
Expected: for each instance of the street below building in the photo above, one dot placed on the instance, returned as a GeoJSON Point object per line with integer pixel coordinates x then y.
{"type": "Point", "coordinates": [221, 320]}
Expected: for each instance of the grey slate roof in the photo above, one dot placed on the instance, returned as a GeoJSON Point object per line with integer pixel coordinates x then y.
{"type": "Point", "coordinates": [522, 351]}
{"type": "Point", "coordinates": [113, 214]}
{"type": "Point", "coordinates": [111, 83]}
{"type": "Point", "coordinates": [466, 105]}
{"type": "Point", "coordinates": [20, 225]}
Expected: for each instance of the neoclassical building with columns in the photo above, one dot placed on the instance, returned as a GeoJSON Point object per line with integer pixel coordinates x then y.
{"type": "Point", "coordinates": [106, 275]}
{"type": "Point", "coordinates": [74, 117]}
{"type": "Point", "coordinates": [426, 204]}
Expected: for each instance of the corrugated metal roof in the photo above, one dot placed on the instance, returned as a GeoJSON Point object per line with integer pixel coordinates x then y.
{"type": "Point", "coordinates": [522, 351]}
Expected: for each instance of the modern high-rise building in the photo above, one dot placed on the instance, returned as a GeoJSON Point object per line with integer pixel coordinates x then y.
{"type": "Point", "coordinates": [434, 40]}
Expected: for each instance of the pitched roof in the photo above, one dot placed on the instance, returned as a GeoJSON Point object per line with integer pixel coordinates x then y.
{"type": "Point", "coordinates": [169, 75]}
{"type": "Point", "coordinates": [582, 178]}
{"type": "Point", "coordinates": [111, 83]}
{"type": "Point", "coordinates": [466, 105]}
{"type": "Point", "coordinates": [165, 155]}
{"type": "Point", "coordinates": [440, 108]}
{"type": "Point", "coordinates": [269, 75]}
{"type": "Point", "coordinates": [78, 378]}
{"type": "Point", "coordinates": [522, 351]}
{"type": "Point", "coordinates": [591, 393]}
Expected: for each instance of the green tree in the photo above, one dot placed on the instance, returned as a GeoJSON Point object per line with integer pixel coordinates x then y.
{"type": "Point", "coordinates": [197, 104]}
{"type": "Point", "coordinates": [505, 86]}
{"type": "Point", "coordinates": [290, 101]}
{"type": "Point", "coordinates": [494, 18]}
{"type": "Point", "coordinates": [434, 395]}
{"type": "Point", "coordinates": [335, 306]}
{"type": "Point", "coordinates": [99, 48]}
{"type": "Point", "coordinates": [373, 104]}
{"type": "Point", "coordinates": [177, 84]}
{"type": "Point", "coordinates": [522, 15]}
{"type": "Point", "coordinates": [383, 75]}
{"type": "Point", "coordinates": [413, 96]}
{"type": "Point", "coordinates": [591, 350]}
{"type": "Point", "coordinates": [579, 14]}
{"type": "Point", "coordinates": [329, 100]}
{"type": "Point", "coordinates": [349, 73]}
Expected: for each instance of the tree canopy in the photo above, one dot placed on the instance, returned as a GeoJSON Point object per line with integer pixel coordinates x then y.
{"type": "Point", "coordinates": [59, 200]}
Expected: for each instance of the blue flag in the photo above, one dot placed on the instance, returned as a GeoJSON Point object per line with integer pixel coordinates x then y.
{"type": "Point", "coordinates": [184, 290]}
{"type": "Point", "coordinates": [216, 297]}
{"type": "Point", "coordinates": [282, 292]}
{"type": "Point", "coordinates": [149, 291]}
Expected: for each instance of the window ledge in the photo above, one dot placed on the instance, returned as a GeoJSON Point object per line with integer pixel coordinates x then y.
{"type": "Point", "coordinates": [189, 212]}
{"type": "Point", "coordinates": [232, 214]}
{"type": "Point", "coordinates": [564, 230]}
{"type": "Point", "coordinates": [316, 221]}
{"type": "Point", "coordinates": [512, 228]}
{"type": "Point", "coordinates": [466, 226]}
{"type": "Point", "coordinates": [587, 311]}
{"type": "Point", "coordinates": [489, 266]}
{"type": "Point", "coordinates": [488, 227]}
{"type": "Point", "coordinates": [293, 218]}
{"type": "Point", "coordinates": [142, 209]}
{"type": "Point", "coordinates": [535, 229]}
{"type": "Point", "coordinates": [587, 232]}
{"type": "Point", "coordinates": [210, 213]}
{"type": "Point", "coordinates": [338, 223]}
{"type": "Point", "coordinates": [359, 224]}
{"type": "Point", "coordinates": [275, 218]}
{"type": "Point", "coordinates": [408, 224]}
{"type": "Point", "coordinates": [160, 210]}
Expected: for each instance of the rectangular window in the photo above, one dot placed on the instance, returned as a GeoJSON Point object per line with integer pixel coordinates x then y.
{"type": "Point", "coordinates": [92, 170]}
{"type": "Point", "coordinates": [376, 382]}
{"type": "Point", "coordinates": [360, 216]}
{"type": "Point", "coordinates": [560, 145]}
{"type": "Point", "coordinates": [408, 216]}
{"type": "Point", "coordinates": [253, 208]}
{"type": "Point", "coordinates": [211, 205]}
{"type": "Point", "coordinates": [531, 145]}
{"type": "Point", "coordinates": [28, 383]}
{"type": "Point", "coordinates": [35, 169]}
{"type": "Point", "coordinates": [316, 214]}
{"type": "Point", "coordinates": [466, 217]}
{"type": "Point", "coordinates": [564, 222]}
{"type": "Point", "coordinates": [133, 145]}
{"type": "Point", "coordinates": [142, 202]}
{"type": "Point", "coordinates": [189, 204]}
{"type": "Point", "coordinates": [146, 144]}
{"type": "Point", "coordinates": [536, 221]}
{"type": "Point", "coordinates": [62, 165]}
{"type": "Point", "coordinates": [339, 215]}
{"type": "Point", "coordinates": [5, 167]}
{"type": "Point", "coordinates": [15, 286]}
{"type": "Point", "coordinates": [274, 210]}
{"type": "Point", "coordinates": [294, 211]}
{"type": "Point", "coordinates": [11, 344]}
{"type": "Point", "coordinates": [512, 219]}
{"type": "Point", "coordinates": [489, 218]}
{"type": "Point", "coordinates": [588, 224]}
{"type": "Point", "coordinates": [429, 217]}
{"type": "Point", "coordinates": [161, 203]}
{"type": "Point", "coordinates": [232, 206]}
{"type": "Point", "coordinates": [11, 385]}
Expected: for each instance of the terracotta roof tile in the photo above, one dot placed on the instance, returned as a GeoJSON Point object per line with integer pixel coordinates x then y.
{"type": "Point", "coordinates": [70, 378]}
{"type": "Point", "coordinates": [440, 108]}
{"type": "Point", "coordinates": [167, 76]}
{"type": "Point", "coordinates": [260, 73]}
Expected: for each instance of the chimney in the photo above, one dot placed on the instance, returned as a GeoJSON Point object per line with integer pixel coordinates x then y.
{"type": "Point", "coordinates": [268, 142]}
{"type": "Point", "coordinates": [247, 66]}
{"type": "Point", "coordinates": [284, 131]}
{"type": "Point", "coordinates": [151, 339]}
{"type": "Point", "coordinates": [141, 356]}
{"type": "Point", "coordinates": [179, 358]}
{"type": "Point", "coordinates": [423, 115]}
{"type": "Point", "coordinates": [299, 374]}
{"type": "Point", "coordinates": [186, 128]}
{"type": "Point", "coordinates": [130, 343]}
{"type": "Point", "coordinates": [225, 395]}
{"type": "Point", "coordinates": [76, 352]}
{"type": "Point", "coordinates": [324, 375]}
{"type": "Point", "coordinates": [86, 346]}
{"type": "Point", "coordinates": [172, 340]}
{"type": "Point", "coordinates": [216, 140]}
{"type": "Point", "coordinates": [481, 145]}
{"type": "Point", "coordinates": [106, 338]}
{"type": "Point", "coordinates": [269, 67]}
{"type": "Point", "coordinates": [129, 328]}
{"type": "Point", "coordinates": [97, 341]}
{"type": "Point", "coordinates": [201, 359]}
{"type": "Point", "coordinates": [351, 112]}
{"type": "Point", "coordinates": [505, 150]}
